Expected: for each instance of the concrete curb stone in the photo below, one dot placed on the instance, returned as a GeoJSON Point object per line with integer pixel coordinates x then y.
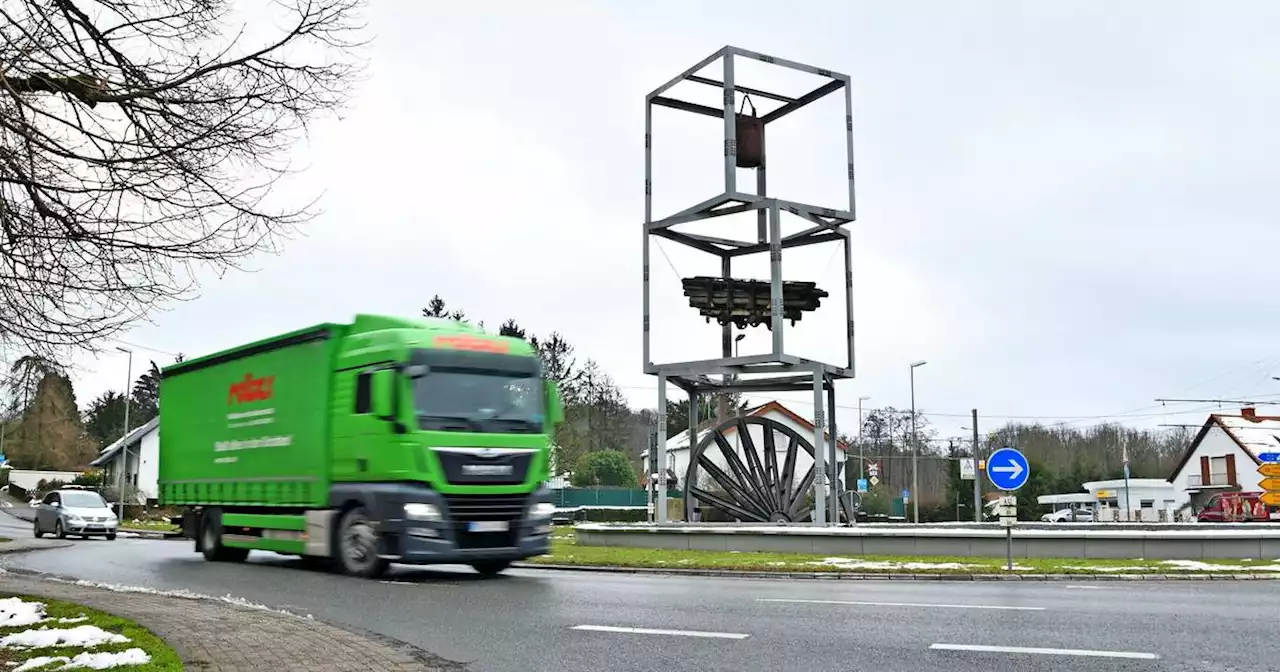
{"type": "Point", "coordinates": [841, 576]}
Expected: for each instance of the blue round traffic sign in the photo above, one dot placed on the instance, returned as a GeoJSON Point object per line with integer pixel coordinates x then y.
{"type": "Point", "coordinates": [1007, 469]}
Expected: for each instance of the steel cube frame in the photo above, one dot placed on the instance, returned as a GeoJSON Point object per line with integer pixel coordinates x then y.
{"type": "Point", "coordinates": [778, 371]}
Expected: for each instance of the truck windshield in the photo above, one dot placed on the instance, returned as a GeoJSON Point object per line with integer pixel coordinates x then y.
{"type": "Point", "coordinates": [477, 400]}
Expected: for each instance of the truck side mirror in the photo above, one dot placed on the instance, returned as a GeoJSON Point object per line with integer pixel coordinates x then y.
{"type": "Point", "coordinates": [555, 408]}
{"type": "Point", "coordinates": [382, 393]}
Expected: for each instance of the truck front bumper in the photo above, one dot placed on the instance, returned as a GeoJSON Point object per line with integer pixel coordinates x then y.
{"type": "Point", "coordinates": [473, 529]}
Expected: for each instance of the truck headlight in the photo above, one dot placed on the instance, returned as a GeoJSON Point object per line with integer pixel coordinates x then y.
{"type": "Point", "coordinates": [420, 511]}
{"type": "Point", "coordinates": [542, 510]}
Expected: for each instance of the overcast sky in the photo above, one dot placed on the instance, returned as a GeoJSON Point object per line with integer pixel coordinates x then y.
{"type": "Point", "coordinates": [1068, 209]}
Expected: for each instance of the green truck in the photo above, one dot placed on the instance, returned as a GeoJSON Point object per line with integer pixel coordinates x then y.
{"type": "Point", "coordinates": [417, 441]}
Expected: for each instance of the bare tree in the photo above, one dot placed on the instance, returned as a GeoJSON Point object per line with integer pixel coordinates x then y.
{"type": "Point", "coordinates": [140, 140]}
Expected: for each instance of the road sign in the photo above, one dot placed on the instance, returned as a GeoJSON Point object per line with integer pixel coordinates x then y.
{"type": "Point", "coordinates": [1269, 469]}
{"type": "Point", "coordinates": [1269, 457]}
{"type": "Point", "coordinates": [1007, 469]}
{"type": "Point", "coordinates": [862, 485]}
{"type": "Point", "coordinates": [1270, 498]}
{"type": "Point", "coordinates": [966, 468]}
{"type": "Point", "coordinates": [1271, 483]}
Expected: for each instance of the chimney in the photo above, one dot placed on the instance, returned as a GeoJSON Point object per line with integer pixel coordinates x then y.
{"type": "Point", "coordinates": [1249, 413]}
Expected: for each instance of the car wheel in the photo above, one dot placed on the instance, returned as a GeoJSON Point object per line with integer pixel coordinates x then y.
{"type": "Point", "coordinates": [58, 531]}
{"type": "Point", "coordinates": [38, 532]}
{"type": "Point", "coordinates": [491, 567]}
{"type": "Point", "coordinates": [358, 545]}
{"type": "Point", "coordinates": [111, 537]}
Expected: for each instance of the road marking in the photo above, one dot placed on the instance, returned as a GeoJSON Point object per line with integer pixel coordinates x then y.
{"type": "Point", "coordinates": [903, 604]}
{"type": "Point", "coordinates": [648, 631]}
{"type": "Point", "coordinates": [1085, 587]}
{"type": "Point", "coordinates": [1047, 652]}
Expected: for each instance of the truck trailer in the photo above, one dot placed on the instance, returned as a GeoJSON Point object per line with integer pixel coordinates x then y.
{"type": "Point", "coordinates": [416, 441]}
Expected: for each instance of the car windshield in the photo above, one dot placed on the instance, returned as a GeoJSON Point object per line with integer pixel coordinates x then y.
{"type": "Point", "coordinates": [83, 500]}
{"type": "Point", "coordinates": [477, 400]}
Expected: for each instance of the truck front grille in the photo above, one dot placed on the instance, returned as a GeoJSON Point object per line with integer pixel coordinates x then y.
{"type": "Point", "coordinates": [466, 508]}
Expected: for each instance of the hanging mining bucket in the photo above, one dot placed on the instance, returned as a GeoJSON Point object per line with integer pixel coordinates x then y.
{"type": "Point", "coordinates": [750, 137]}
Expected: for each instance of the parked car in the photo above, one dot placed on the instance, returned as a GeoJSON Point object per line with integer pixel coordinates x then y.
{"type": "Point", "coordinates": [1068, 516]}
{"type": "Point", "coordinates": [78, 512]}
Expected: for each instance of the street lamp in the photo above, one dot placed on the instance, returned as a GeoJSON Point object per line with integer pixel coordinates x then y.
{"type": "Point", "coordinates": [124, 448]}
{"type": "Point", "coordinates": [862, 457]}
{"type": "Point", "coordinates": [915, 447]}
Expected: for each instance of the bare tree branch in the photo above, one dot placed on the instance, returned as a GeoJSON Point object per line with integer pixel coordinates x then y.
{"type": "Point", "coordinates": [140, 141]}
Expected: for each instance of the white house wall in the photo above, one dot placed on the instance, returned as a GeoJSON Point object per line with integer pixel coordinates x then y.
{"type": "Point", "coordinates": [28, 479]}
{"type": "Point", "coordinates": [149, 466]}
{"type": "Point", "coordinates": [1217, 443]}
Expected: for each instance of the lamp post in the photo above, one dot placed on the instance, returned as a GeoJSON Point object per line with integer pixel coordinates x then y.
{"type": "Point", "coordinates": [124, 447]}
{"type": "Point", "coordinates": [862, 457]}
{"type": "Point", "coordinates": [915, 448]}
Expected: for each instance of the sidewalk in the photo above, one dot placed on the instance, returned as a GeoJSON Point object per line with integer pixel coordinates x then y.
{"type": "Point", "coordinates": [215, 636]}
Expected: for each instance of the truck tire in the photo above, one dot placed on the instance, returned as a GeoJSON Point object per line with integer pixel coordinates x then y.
{"type": "Point", "coordinates": [357, 545]}
{"type": "Point", "coordinates": [491, 567]}
{"type": "Point", "coordinates": [211, 540]}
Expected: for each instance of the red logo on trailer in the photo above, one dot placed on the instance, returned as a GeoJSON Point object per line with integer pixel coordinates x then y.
{"type": "Point", "coordinates": [249, 389]}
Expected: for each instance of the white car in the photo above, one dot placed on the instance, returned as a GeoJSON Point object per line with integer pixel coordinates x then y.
{"type": "Point", "coordinates": [82, 513]}
{"type": "Point", "coordinates": [1068, 516]}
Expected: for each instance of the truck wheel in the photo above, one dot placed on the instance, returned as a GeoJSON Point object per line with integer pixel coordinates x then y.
{"type": "Point", "coordinates": [491, 567]}
{"type": "Point", "coordinates": [358, 545]}
{"type": "Point", "coordinates": [211, 541]}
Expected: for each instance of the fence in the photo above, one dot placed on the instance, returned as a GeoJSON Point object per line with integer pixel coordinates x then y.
{"type": "Point", "coordinates": [571, 497]}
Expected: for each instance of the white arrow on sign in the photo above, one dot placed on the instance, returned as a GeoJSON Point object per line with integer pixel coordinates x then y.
{"type": "Point", "coordinates": [1014, 468]}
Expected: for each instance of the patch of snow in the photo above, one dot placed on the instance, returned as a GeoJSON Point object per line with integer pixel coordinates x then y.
{"type": "Point", "coordinates": [853, 563]}
{"type": "Point", "coordinates": [184, 594]}
{"type": "Point", "coordinates": [1107, 568]}
{"type": "Point", "coordinates": [17, 613]}
{"type": "Point", "coordinates": [84, 636]}
{"type": "Point", "coordinates": [90, 661]}
{"type": "Point", "coordinates": [1197, 566]}
{"type": "Point", "coordinates": [78, 619]}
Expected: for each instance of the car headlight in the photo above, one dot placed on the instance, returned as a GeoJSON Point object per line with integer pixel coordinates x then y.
{"type": "Point", "coordinates": [420, 511]}
{"type": "Point", "coordinates": [74, 518]}
{"type": "Point", "coordinates": [542, 510]}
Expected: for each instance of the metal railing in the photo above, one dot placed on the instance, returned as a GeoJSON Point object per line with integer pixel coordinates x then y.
{"type": "Point", "coordinates": [1215, 480]}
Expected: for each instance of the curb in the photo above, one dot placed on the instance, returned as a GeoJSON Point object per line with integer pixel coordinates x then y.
{"type": "Point", "coordinates": [27, 545]}
{"type": "Point", "coordinates": [151, 534]}
{"type": "Point", "coordinates": [887, 576]}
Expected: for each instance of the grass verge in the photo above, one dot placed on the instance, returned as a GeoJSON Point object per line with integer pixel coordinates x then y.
{"type": "Point", "coordinates": [566, 551]}
{"type": "Point", "coordinates": [163, 658]}
{"type": "Point", "coordinates": [148, 526]}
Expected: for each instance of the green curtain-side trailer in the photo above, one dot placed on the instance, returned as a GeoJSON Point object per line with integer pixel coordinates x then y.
{"type": "Point", "coordinates": [250, 426]}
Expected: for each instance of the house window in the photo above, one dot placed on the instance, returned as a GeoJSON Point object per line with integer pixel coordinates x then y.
{"type": "Point", "coordinates": [1218, 471]}
{"type": "Point", "coordinates": [1147, 503]}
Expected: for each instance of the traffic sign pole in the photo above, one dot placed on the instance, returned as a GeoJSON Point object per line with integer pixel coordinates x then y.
{"type": "Point", "coordinates": [1008, 470]}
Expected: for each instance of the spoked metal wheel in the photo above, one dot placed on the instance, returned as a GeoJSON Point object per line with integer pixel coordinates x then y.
{"type": "Point", "coordinates": [752, 476]}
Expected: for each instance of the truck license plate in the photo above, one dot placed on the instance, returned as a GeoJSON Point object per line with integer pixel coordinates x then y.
{"type": "Point", "coordinates": [487, 526]}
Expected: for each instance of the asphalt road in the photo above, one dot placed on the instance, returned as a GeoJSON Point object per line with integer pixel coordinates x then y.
{"type": "Point", "coordinates": [545, 620]}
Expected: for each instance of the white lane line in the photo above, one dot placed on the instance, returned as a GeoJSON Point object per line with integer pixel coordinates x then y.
{"type": "Point", "coordinates": [904, 604]}
{"type": "Point", "coordinates": [1047, 652]}
{"type": "Point", "coordinates": [649, 631]}
{"type": "Point", "coordinates": [1085, 587]}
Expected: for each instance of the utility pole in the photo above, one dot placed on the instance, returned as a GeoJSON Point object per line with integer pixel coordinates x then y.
{"type": "Point", "coordinates": [1124, 459]}
{"type": "Point", "coordinates": [862, 457]}
{"type": "Point", "coordinates": [977, 473]}
{"type": "Point", "coordinates": [124, 447]}
{"type": "Point", "coordinates": [915, 448]}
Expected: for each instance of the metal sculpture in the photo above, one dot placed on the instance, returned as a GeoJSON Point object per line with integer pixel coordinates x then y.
{"type": "Point", "coordinates": [758, 486]}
